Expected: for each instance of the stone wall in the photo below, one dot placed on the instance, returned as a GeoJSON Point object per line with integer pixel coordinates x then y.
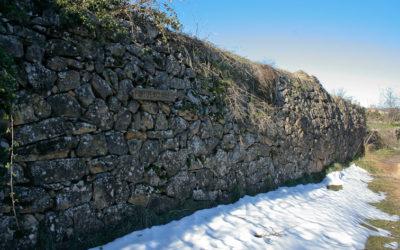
{"type": "Point", "coordinates": [98, 148]}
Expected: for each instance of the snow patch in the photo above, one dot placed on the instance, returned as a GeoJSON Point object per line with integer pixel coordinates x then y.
{"type": "Point", "coordinates": [302, 217]}
{"type": "Point", "coordinates": [392, 245]}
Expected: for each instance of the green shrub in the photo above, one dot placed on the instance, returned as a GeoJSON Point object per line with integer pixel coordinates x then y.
{"type": "Point", "coordinates": [107, 14]}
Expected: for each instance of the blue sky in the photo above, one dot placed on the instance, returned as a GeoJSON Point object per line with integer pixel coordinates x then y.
{"type": "Point", "coordinates": [353, 44]}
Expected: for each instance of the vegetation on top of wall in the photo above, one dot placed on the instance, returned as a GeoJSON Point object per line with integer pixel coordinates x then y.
{"type": "Point", "coordinates": [118, 16]}
{"type": "Point", "coordinates": [11, 10]}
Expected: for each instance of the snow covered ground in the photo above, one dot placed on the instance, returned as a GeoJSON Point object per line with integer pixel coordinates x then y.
{"type": "Point", "coordinates": [302, 217]}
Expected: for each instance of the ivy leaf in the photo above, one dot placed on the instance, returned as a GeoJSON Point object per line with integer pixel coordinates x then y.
{"type": "Point", "coordinates": [7, 165]}
{"type": "Point", "coordinates": [8, 131]}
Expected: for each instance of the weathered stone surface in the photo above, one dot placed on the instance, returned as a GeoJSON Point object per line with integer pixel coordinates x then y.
{"type": "Point", "coordinates": [28, 35]}
{"type": "Point", "coordinates": [220, 163]}
{"type": "Point", "coordinates": [194, 129]}
{"type": "Point", "coordinates": [12, 46]}
{"type": "Point", "coordinates": [85, 95]}
{"type": "Point", "coordinates": [162, 203]}
{"type": "Point", "coordinates": [41, 107]}
{"type": "Point", "coordinates": [190, 73]}
{"type": "Point", "coordinates": [149, 107]}
{"type": "Point", "coordinates": [149, 152]}
{"type": "Point", "coordinates": [24, 113]}
{"type": "Point", "coordinates": [179, 186]}
{"type": "Point", "coordinates": [129, 169]}
{"type": "Point", "coordinates": [43, 130]}
{"type": "Point", "coordinates": [57, 63]}
{"type": "Point", "coordinates": [7, 227]}
{"type": "Point", "coordinates": [18, 178]}
{"type": "Point", "coordinates": [64, 105]}
{"type": "Point", "coordinates": [134, 146]}
{"type": "Point", "coordinates": [98, 114]}
{"type": "Point", "coordinates": [188, 115]}
{"type": "Point", "coordinates": [153, 95]}
{"type": "Point", "coordinates": [133, 72]}
{"type": "Point", "coordinates": [173, 66]}
{"type": "Point", "coordinates": [84, 219]}
{"type": "Point", "coordinates": [116, 49]}
{"type": "Point", "coordinates": [107, 191]}
{"type": "Point", "coordinates": [92, 145]}
{"type": "Point", "coordinates": [74, 64]}
{"type": "Point", "coordinates": [72, 196]}
{"type": "Point", "coordinates": [60, 170]}
{"type": "Point", "coordinates": [161, 80]}
{"type": "Point", "coordinates": [228, 141]}
{"type": "Point", "coordinates": [103, 164]}
{"type": "Point", "coordinates": [199, 195]}
{"type": "Point", "coordinates": [33, 200]}
{"type": "Point", "coordinates": [172, 161]}
{"type": "Point", "coordinates": [247, 141]}
{"type": "Point", "coordinates": [59, 224]}
{"type": "Point", "coordinates": [133, 106]}
{"type": "Point", "coordinates": [30, 225]}
{"type": "Point", "coordinates": [134, 134]}
{"type": "Point", "coordinates": [178, 124]}
{"type": "Point", "coordinates": [101, 87]}
{"type": "Point", "coordinates": [114, 104]}
{"type": "Point", "coordinates": [177, 83]}
{"type": "Point", "coordinates": [58, 47]}
{"type": "Point", "coordinates": [161, 122]}
{"type": "Point", "coordinates": [111, 76]}
{"type": "Point", "coordinates": [124, 87]}
{"type": "Point", "coordinates": [123, 120]}
{"type": "Point", "coordinates": [149, 67]}
{"type": "Point", "coordinates": [78, 128]}
{"type": "Point", "coordinates": [116, 143]}
{"type": "Point", "coordinates": [140, 194]}
{"type": "Point", "coordinates": [55, 148]}
{"type": "Point", "coordinates": [160, 134]}
{"type": "Point", "coordinates": [68, 80]}
{"type": "Point", "coordinates": [196, 146]}
{"type": "Point", "coordinates": [155, 177]}
{"type": "Point", "coordinates": [194, 163]}
{"type": "Point", "coordinates": [39, 77]}
{"type": "Point", "coordinates": [146, 121]}
{"type": "Point", "coordinates": [34, 53]}
{"type": "Point", "coordinates": [115, 215]}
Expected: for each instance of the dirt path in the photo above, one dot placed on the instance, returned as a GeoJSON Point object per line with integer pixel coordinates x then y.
{"type": "Point", "coordinates": [391, 172]}
{"type": "Point", "coordinates": [391, 165]}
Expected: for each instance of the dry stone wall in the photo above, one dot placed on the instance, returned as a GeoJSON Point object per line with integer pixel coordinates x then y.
{"type": "Point", "coordinates": [129, 131]}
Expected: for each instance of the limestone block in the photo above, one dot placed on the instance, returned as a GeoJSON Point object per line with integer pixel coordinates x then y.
{"type": "Point", "coordinates": [59, 170]}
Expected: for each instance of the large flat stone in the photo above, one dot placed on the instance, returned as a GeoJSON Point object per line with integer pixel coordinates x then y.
{"type": "Point", "coordinates": [60, 170]}
{"type": "Point", "coordinates": [46, 150]}
{"type": "Point", "coordinates": [46, 129]}
{"type": "Point", "coordinates": [92, 145]}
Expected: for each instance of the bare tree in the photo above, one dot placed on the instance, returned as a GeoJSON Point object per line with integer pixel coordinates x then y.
{"type": "Point", "coordinates": [389, 98]}
{"type": "Point", "coordinates": [341, 92]}
{"type": "Point", "coordinates": [391, 103]}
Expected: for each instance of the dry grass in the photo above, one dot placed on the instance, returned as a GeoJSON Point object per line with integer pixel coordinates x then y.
{"type": "Point", "coordinates": [251, 92]}
{"type": "Point", "coordinates": [384, 164]}
{"type": "Point", "coordinates": [335, 187]}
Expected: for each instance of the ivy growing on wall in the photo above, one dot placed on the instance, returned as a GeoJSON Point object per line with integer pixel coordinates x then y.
{"type": "Point", "coordinates": [8, 86]}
